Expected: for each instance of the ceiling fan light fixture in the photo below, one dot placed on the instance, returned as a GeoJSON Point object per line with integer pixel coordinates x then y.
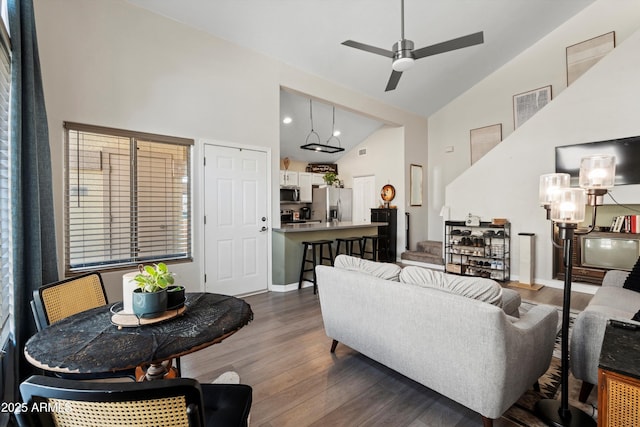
{"type": "Point", "coordinates": [402, 64]}
{"type": "Point", "coordinates": [403, 55]}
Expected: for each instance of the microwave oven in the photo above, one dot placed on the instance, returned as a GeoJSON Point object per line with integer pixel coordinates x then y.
{"type": "Point", "coordinates": [289, 194]}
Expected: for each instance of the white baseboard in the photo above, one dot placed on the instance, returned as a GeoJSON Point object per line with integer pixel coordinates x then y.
{"type": "Point", "coordinates": [290, 287]}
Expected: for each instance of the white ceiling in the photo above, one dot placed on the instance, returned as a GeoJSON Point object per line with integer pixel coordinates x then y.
{"type": "Point", "coordinates": [308, 35]}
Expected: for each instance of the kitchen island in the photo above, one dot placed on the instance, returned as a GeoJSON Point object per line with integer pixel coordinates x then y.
{"type": "Point", "coordinates": [287, 246]}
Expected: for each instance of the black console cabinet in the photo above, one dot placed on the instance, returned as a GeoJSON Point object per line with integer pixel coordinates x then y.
{"type": "Point", "coordinates": [388, 234]}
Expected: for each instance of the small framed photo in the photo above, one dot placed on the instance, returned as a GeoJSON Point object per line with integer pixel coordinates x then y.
{"type": "Point", "coordinates": [582, 56]}
{"type": "Point", "coordinates": [526, 104]}
{"type": "Point", "coordinates": [483, 140]}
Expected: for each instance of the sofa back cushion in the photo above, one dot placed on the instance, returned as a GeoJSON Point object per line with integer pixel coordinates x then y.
{"type": "Point", "coordinates": [382, 270]}
{"type": "Point", "coordinates": [486, 290]}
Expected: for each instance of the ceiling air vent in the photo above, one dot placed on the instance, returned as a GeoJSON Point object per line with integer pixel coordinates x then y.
{"type": "Point", "coordinates": [362, 152]}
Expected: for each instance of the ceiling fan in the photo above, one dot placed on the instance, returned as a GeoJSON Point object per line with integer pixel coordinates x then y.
{"type": "Point", "coordinates": [404, 55]}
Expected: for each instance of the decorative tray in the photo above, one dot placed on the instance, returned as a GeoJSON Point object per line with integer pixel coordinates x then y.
{"type": "Point", "coordinates": [130, 320]}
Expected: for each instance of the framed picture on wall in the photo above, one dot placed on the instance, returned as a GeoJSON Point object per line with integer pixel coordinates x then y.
{"type": "Point", "coordinates": [526, 104]}
{"type": "Point", "coordinates": [483, 140]}
{"type": "Point", "coordinates": [584, 55]}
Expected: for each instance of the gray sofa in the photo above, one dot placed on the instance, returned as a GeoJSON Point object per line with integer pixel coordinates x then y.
{"type": "Point", "coordinates": [611, 301]}
{"type": "Point", "coordinates": [447, 332]}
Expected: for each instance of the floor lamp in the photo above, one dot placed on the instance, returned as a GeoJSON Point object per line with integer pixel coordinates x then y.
{"type": "Point", "coordinates": [566, 208]}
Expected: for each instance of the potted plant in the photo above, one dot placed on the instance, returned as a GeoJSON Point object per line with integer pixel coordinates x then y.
{"type": "Point", "coordinates": [150, 299]}
{"type": "Point", "coordinates": [175, 297]}
{"type": "Point", "coordinates": [330, 178]}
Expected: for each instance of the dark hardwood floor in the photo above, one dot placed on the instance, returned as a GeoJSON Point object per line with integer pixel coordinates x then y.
{"type": "Point", "coordinates": [284, 355]}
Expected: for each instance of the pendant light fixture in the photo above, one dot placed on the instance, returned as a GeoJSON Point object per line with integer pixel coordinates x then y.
{"type": "Point", "coordinates": [318, 146]}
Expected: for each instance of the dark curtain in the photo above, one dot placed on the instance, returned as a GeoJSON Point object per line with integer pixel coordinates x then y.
{"type": "Point", "coordinates": [34, 243]}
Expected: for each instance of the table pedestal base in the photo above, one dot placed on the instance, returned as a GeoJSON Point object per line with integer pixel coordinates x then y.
{"type": "Point", "coordinates": [156, 371]}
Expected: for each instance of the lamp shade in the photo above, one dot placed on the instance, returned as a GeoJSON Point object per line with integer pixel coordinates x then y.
{"type": "Point", "coordinates": [549, 184]}
{"type": "Point", "coordinates": [597, 172]}
{"type": "Point", "coordinates": [568, 205]}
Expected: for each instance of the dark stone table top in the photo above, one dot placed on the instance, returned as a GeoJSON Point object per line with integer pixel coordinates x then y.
{"type": "Point", "coordinates": [620, 350]}
{"type": "Point", "coordinates": [88, 342]}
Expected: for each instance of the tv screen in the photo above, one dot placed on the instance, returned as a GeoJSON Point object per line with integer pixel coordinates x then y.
{"type": "Point", "coordinates": [626, 150]}
{"type": "Point", "coordinates": [612, 253]}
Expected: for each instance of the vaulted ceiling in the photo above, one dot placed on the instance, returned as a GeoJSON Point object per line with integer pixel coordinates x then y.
{"type": "Point", "coordinates": [308, 35]}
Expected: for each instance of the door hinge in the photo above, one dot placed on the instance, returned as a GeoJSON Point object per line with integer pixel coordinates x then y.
{"type": "Point", "coordinates": [204, 161]}
{"type": "Point", "coordinates": [205, 220]}
{"type": "Point", "coordinates": [205, 278]}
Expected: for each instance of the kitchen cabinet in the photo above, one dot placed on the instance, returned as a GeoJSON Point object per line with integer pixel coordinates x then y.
{"type": "Point", "coordinates": [305, 182]}
{"type": "Point", "coordinates": [288, 178]}
{"type": "Point", "coordinates": [478, 250]}
{"type": "Point", "coordinates": [317, 179]}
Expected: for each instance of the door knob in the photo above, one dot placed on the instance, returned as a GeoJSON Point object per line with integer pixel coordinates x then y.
{"type": "Point", "coordinates": [263, 229]}
{"type": "Point", "coordinates": [264, 218]}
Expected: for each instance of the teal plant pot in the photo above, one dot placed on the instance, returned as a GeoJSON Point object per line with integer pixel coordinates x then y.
{"type": "Point", "coordinates": [175, 297]}
{"type": "Point", "coordinates": [149, 304]}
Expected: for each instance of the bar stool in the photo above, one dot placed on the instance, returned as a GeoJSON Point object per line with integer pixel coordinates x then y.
{"type": "Point", "coordinates": [348, 245]}
{"type": "Point", "coordinates": [374, 238]}
{"type": "Point", "coordinates": [315, 244]}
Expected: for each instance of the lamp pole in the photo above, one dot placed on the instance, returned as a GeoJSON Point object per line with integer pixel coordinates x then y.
{"type": "Point", "coordinates": [553, 412]}
{"type": "Point", "coordinates": [565, 207]}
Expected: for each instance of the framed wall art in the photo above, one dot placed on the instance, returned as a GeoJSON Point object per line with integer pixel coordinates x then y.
{"type": "Point", "coordinates": [582, 56]}
{"type": "Point", "coordinates": [526, 104]}
{"type": "Point", "coordinates": [415, 196]}
{"type": "Point", "coordinates": [483, 140]}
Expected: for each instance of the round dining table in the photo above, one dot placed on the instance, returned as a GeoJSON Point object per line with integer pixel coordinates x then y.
{"type": "Point", "coordinates": [89, 342]}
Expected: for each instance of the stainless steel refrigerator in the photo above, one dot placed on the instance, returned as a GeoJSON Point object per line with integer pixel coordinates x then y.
{"type": "Point", "coordinates": [330, 202]}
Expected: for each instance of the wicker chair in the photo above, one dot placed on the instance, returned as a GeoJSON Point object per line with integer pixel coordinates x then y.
{"type": "Point", "coordinates": [176, 402]}
{"type": "Point", "coordinates": [56, 301]}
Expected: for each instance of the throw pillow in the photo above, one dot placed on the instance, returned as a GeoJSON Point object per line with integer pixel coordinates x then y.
{"type": "Point", "coordinates": [633, 279]}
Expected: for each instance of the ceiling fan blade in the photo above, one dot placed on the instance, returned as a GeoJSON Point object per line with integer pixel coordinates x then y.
{"type": "Point", "coordinates": [368, 48]}
{"type": "Point", "coordinates": [393, 80]}
{"type": "Point", "coordinates": [453, 44]}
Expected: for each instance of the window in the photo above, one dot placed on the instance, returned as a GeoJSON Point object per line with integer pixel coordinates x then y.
{"type": "Point", "coordinates": [127, 198]}
{"type": "Point", "coordinates": [6, 264]}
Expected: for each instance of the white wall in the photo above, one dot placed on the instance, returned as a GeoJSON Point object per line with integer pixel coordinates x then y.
{"type": "Point", "coordinates": [108, 63]}
{"type": "Point", "coordinates": [385, 161]}
{"type": "Point", "coordinates": [602, 104]}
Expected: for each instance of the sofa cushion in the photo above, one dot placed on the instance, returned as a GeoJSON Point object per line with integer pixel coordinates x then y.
{"type": "Point", "coordinates": [383, 270]}
{"type": "Point", "coordinates": [486, 290]}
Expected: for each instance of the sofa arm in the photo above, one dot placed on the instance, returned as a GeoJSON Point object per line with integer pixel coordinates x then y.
{"type": "Point", "coordinates": [586, 342]}
{"type": "Point", "coordinates": [587, 337]}
{"type": "Point", "coordinates": [615, 278]}
{"type": "Point", "coordinates": [530, 343]}
{"type": "Point", "coordinates": [536, 318]}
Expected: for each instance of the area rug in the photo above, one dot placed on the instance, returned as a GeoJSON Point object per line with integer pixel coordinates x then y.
{"type": "Point", "coordinates": [522, 413]}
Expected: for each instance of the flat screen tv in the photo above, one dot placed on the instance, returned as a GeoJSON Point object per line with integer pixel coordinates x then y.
{"type": "Point", "coordinates": [626, 150]}
{"type": "Point", "coordinates": [611, 253]}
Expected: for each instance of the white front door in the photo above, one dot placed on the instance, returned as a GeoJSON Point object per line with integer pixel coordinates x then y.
{"type": "Point", "coordinates": [235, 230]}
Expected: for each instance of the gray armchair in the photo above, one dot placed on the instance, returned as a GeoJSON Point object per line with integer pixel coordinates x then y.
{"type": "Point", "coordinates": [611, 301]}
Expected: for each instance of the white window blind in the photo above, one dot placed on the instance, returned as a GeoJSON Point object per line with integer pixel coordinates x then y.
{"type": "Point", "coordinates": [127, 198]}
{"type": "Point", "coordinates": [6, 261]}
